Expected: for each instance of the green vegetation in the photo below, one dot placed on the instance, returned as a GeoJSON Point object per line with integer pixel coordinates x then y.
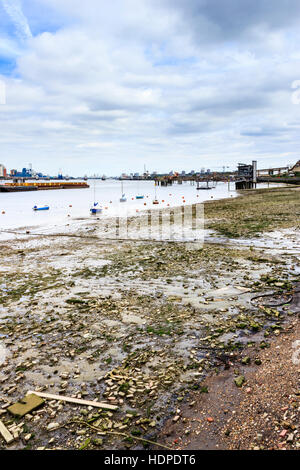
{"type": "Point", "coordinates": [255, 212]}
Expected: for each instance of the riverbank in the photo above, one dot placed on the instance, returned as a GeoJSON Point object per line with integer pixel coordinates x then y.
{"type": "Point", "coordinates": [139, 325]}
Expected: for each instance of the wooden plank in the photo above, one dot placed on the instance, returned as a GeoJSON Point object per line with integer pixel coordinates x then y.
{"type": "Point", "coordinates": [5, 433]}
{"type": "Point", "coordinates": [26, 405]}
{"type": "Point", "coordinates": [78, 401]}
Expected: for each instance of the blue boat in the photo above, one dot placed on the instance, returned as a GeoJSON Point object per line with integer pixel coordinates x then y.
{"type": "Point", "coordinates": [139, 197]}
{"type": "Point", "coordinates": [44, 208]}
{"type": "Point", "coordinates": [95, 209]}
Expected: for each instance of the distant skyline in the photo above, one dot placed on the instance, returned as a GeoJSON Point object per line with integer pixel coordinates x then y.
{"type": "Point", "coordinates": [108, 87]}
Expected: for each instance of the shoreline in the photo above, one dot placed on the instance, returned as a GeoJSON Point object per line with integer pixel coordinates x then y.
{"type": "Point", "coordinates": [76, 222]}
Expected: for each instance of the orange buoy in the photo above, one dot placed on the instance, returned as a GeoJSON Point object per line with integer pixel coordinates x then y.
{"type": "Point", "coordinates": [163, 200]}
{"type": "Point", "coordinates": [3, 212]}
{"type": "Point", "coordinates": [70, 205]}
{"type": "Point", "coordinates": [145, 203]}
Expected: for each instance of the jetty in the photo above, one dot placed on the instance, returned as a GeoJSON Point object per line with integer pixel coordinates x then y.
{"type": "Point", "coordinates": [36, 186]}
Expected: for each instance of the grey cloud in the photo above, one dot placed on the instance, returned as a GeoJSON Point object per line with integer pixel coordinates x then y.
{"type": "Point", "coordinates": [215, 20]}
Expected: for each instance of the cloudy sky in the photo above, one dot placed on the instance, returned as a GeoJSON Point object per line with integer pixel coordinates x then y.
{"type": "Point", "coordinates": [99, 86]}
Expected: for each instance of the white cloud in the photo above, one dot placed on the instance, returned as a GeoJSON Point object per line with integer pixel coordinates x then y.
{"type": "Point", "coordinates": [14, 10]}
{"type": "Point", "coordinates": [127, 83]}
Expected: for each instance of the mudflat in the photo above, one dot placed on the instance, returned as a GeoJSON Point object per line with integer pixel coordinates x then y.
{"type": "Point", "coordinates": [168, 333]}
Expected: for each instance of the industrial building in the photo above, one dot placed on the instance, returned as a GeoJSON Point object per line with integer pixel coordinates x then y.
{"type": "Point", "coordinates": [3, 172]}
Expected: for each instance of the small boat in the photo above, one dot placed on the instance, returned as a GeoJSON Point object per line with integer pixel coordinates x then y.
{"type": "Point", "coordinates": [95, 209]}
{"type": "Point", "coordinates": [123, 198]}
{"type": "Point", "coordinates": [44, 208]}
{"type": "Point", "coordinates": [155, 200]}
{"type": "Point", "coordinates": [139, 195]}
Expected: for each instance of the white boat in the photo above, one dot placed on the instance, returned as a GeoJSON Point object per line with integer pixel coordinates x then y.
{"type": "Point", "coordinates": [155, 200]}
{"type": "Point", "coordinates": [123, 198]}
{"type": "Point", "coordinates": [95, 209]}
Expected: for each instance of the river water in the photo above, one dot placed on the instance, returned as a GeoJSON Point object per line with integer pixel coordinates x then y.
{"type": "Point", "coordinates": [69, 205]}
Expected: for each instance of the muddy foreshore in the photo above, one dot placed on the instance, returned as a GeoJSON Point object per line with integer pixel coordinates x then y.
{"type": "Point", "coordinates": [145, 325]}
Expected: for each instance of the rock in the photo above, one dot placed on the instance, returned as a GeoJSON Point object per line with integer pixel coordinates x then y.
{"type": "Point", "coordinates": [239, 380]}
{"type": "Point", "coordinates": [246, 360]}
{"type": "Point", "coordinates": [98, 442]}
{"type": "Point", "coordinates": [52, 426]}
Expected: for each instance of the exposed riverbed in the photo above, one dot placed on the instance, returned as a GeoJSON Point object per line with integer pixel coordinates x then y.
{"type": "Point", "coordinates": [138, 324]}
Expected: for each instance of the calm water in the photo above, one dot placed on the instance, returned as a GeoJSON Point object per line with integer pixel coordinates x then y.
{"type": "Point", "coordinates": [69, 205]}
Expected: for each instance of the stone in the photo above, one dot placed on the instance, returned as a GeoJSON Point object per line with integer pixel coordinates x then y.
{"type": "Point", "coordinates": [246, 360]}
{"type": "Point", "coordinates": [98, 442]}
{"type": "Point", "coordinates": [239, 380]}
{"type": "Point", "coordinates": [52, 426]}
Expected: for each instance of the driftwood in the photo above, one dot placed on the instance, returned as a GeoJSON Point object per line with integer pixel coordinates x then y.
{"type": "Point", "coordinates": [78, 401]}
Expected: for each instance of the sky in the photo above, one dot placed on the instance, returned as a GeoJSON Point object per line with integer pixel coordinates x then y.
{"type": "Point", "coordinates": [108, 87]}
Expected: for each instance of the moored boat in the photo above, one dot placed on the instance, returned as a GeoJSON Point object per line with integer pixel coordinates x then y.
{"type": "Point", "coordinates": [95, 209]}
{"type": "Point", "coordinates": [123, 198]}
{"type": "Point", "coordinates": [43, 208]}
